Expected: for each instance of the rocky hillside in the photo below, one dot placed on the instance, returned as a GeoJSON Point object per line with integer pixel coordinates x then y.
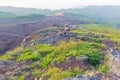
{"type": "Point", "coordinates": [89, 52]}
{"type": "Point", "coordinates": [12, 31]}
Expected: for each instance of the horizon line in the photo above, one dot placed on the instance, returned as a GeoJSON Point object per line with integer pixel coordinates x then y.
{"type": "Point", "coordinates": [64, 8]}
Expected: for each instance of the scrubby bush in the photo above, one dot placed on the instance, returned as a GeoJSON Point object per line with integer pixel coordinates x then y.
{"type": "Point", "coordinates": [77, 70]}
{"type": "Point", "coordinates": [28, 55]}
{"type": "Point", "coordinates": [9, 56]}
{"type": "Point", "coordinates": [36, 73]}
{"type": "Point", "coordinates": [103, 68]}
{"type": "Point", "coordinates": [94, 58]}
{"type": "Point", "coordinates": [98, 40]}
{"type": "Point", "coordinates": [33, 66]}
{"type": "Point", "coordinates": [47, 60]}
{"type": "Point", "coordinates": [56, 74]}
{"type": "Point", "coordinates": [65, 49]}
{"type": "Point", "coordinates": [44, 48]}
{"type": "Point", "coordinates": [22, 77]}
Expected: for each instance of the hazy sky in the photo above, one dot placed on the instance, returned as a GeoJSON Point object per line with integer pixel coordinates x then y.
{"type": "Point", "coordinates": [56, 4]}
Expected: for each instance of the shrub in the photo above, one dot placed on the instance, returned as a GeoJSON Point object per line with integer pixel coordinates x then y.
{"type": "Point", "coordinates": [33, 65]}
{"type": "Point", "coordinates": [77, 70]}
{"type": "Point", "coordinates": [103, 68]}
{"type": "Point", "coordinates": [36, 73]}
{"type": "Point", "coordinates": [6, 57]}
{"type": "Point", "coordinates": [57, 74]}
{"type": "Point", "coordinates": [60, 58]}
{"type": "Point", "coordinates": [97, 45]}
{"type": "Point", "coordinates": [47, 60]}
{"type": "Point", "coordinates": [65, 49]}
{"type": "Point", "coordinates": [9, 56]}
{"type": "Point", "coordinates": [94, 58]}
{"type": "Point", "coordinates": [44, 48]}
{"type": "Point", "coordinates": [28, 55]}
{"type": "Point", "coordinates": [22, 77]}
{"type": "Point", "coordinates": [98, 40]}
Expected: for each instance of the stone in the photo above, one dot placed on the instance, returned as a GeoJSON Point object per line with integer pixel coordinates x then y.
{"type": "Point", "coordinates": [75, 79]}
{"type": "Point", "coordinates": [53, 63]}
{"type": "Point", "coordinates": [25, 68]}
{"type": "Point", "coordinates": [70, 58]}
{"type": "Point", "coordinates": [84, 38]}
{"type": "Point", "coordinates": [2, 77]}
{"type": "Point", "coordinates": [70, 78]}
{"type": "Point", "coordinates": [82, 77]}
{"type": "Point", "coordinates": [95, 78]}
{"type": "Point", "coordinates": [114, 60]}
{"type": "Point", "coordinates": [82, 59]}
{"type": "Point", "coordinates": [79, 76]}
{"type": "Point", "coordinates": [16, 55]}
{"type": "Point", "coordinates": [29, 77]}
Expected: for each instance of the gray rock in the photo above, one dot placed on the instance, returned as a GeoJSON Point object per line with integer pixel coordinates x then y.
{"type": "Point", "coordinates": [79, 76]}
{"type": "Point", "coordinates": [75, 79]}
{"type": "Point", "coordinates": [70, 58]}
{"type": "Point", "coordinates": [82, 77]}
{"type": "Point", "coordinates": [53, 63]}
{"type": "Point", "coordinates": [82, 59]}
{"type": "Point", "coordinates": [95, 78]}
{"type": "Point", "coordinates": [84, 38]}
{"type": "Point", "coordinates": [16, 55]}
{"type": "Point", "coordinates": [25, 68]}
{"type": "Point", "coordinates": [2, 77]}
{"type": "Point", "coordinates": [114, 60]}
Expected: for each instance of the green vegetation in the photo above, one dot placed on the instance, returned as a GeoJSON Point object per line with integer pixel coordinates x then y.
{"type": "Point", "coordinates": [36, 73]}
{"type": "Point", "coordinates": [57, 74]}
{"type": "Point", "coordinates": [110, 32]}
{"type": "Point", "coordinates": [104, 68]}
{"type": "Point", "coordinates": [6, 15]}
{"type": "Point", "coordinates": [30, 16]}
{"type": "Point", "coordinates": [44, 48]}
{"type": "Point", "coordinates": [77, 70]}
{"type": "Point", "coordinates": [28, 55]}
{"type": "Point", "coordinates": [22, 77]}
{"type": "Point", "coordinates": [9, 56]}
{"type": "Point", "coordinates": [42, 55]}
{"type": "Point", "coordinates": [74, 49]}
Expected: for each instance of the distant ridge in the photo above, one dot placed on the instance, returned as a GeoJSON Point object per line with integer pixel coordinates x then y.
{"type": "Point", "coordinates": [23, 11]}
{"type": "Point", "coordinates": [108, 15]}
{"type": "Point", "coordinates": [6, 15]}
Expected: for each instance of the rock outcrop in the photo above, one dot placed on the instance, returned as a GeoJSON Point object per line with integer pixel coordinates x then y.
{"type": "Point", "coordinates": [82, 77]}
{"type": "Point", "coordinates": [12, 68]}
{"type": "Point", "coordinates": [114, 61]}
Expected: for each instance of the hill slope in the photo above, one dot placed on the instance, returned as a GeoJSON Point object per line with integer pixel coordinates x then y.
{"type": "Point", "coordinates": [22, 27]}
{"type": "Point", "coordinates": [49, 54]}
{"type": "Point", "coordinates": [30, 16]}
